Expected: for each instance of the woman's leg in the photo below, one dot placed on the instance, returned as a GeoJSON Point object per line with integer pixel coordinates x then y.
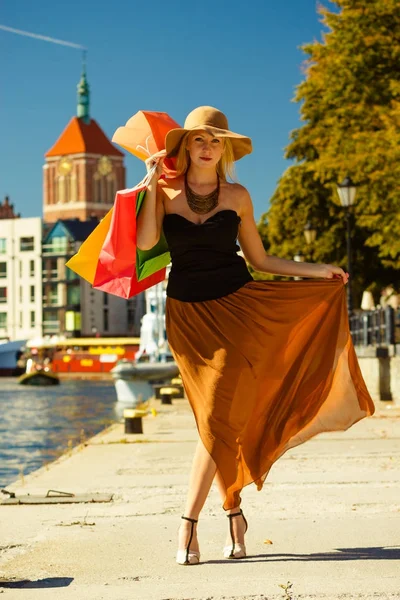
{"type": "Point", "coordinates": [238, 524]}
{"type": "Point", "coordinates": [201, 477]}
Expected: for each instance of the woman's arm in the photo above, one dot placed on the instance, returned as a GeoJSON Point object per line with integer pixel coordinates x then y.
{"type": "Point", "coordinates": [254, 252]}
{"type": "Point", "coordinates": [150, 218]}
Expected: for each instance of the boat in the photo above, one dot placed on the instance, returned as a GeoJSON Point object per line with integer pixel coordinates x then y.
{"type": "Point", "coordinates": [153, 363]}
{"type": "Point", "coordinates": [40, 377]}
{"type": "Point", "coordinates": [134, 380]}
{"type": "Point", "coordinates": [10, 353]}
{"type": "Point", "coordinates": [81, 356]}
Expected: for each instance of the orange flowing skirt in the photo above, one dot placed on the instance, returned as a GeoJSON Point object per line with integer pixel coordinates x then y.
{"type": "Point", "coordinates": [265, 369]}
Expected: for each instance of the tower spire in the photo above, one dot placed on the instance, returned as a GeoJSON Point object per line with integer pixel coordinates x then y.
{"type": "Point", "coordinates": [83, 94]}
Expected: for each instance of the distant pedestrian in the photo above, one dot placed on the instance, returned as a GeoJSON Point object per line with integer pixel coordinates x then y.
{"type": "Point", "coordinates": [266, 365]}
{"type": "Point", "coordinates": [389, 297]}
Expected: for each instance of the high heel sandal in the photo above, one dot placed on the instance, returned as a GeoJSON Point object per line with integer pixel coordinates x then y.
{"type": "Point", "coordinates": [236, 550]}
{"type": "Point", "coordinates": [188, 557]}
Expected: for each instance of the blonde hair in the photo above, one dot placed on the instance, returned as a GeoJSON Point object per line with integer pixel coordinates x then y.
{"type": "Point", "coordinates": [225, 166]}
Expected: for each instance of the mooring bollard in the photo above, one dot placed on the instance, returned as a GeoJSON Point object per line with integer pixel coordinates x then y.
{"type": "Point", "coordinates": [177, 383]}
{"type": "Point", "coordinates": [166, 394]}
{"type": "Point", "coordinates": [133, 421]}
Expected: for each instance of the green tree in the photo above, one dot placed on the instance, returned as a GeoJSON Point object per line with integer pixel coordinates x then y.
{"type": "Point", "coordinates": [350, 106]}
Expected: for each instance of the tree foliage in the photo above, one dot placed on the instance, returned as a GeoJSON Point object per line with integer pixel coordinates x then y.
{"type": "Point", "coordinates": [350, 108]}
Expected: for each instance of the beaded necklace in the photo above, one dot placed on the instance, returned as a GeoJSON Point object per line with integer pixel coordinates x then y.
{"type": "Point", "coordinates": [201, 204]}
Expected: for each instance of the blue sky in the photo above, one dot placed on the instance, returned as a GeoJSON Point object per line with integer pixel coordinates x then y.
{"type": "Point", "coordinates": [242, 57]}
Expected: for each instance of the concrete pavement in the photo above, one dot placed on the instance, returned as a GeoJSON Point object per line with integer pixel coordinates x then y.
{"type": "Point", "coordinates": [331, 509]}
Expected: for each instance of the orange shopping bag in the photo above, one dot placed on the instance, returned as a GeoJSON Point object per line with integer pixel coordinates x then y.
{"type": "Point", "coordinates": [144, 135]}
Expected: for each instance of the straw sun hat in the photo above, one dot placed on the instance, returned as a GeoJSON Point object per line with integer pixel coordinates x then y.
{"type": "Point", "coordinates": [213, 121]}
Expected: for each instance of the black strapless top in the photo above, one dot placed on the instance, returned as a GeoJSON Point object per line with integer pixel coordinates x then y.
{"type": "Point", "coordinates": [205, 263]}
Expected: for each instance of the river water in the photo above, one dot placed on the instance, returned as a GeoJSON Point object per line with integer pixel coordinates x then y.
{"type": "Point", "coordinates": [37, 424]}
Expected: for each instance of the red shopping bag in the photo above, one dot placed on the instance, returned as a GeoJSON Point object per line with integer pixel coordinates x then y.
{"type": "Point", "coordinates": [116, 267]}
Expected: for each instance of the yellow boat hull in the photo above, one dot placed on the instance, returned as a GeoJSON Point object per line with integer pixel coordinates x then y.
{"type": "Point", "coordinates": [39, 378]}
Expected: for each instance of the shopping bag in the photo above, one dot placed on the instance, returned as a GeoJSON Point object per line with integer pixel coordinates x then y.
{"type": "Point", "coordinates": [128, 286]}
{"type": "Point", "coordinates": [122, 269]}
{"type": "Point", "coordinates": [109, 258]}
{"type": "Point", "coordinates": [144, 135]}
{"type": "Point", "coordinates": [84, 262]}
{"type": "Point", "coordinates": [158, 257]}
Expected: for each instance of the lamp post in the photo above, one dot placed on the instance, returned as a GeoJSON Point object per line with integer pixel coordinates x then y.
{"type": "Point", "coordinates": [347, 195]}
{"type": "Point", "coordinates": [310, 233]}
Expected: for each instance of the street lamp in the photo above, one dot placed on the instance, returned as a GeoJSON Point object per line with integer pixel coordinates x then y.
{"type": "Point", "coordinates": [310, 233]}
{"type": "Point", "coordinates": [347, 195]}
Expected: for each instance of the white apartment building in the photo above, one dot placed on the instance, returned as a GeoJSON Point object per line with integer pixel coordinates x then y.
{"type": "Point", "coordinates": [20, 278]}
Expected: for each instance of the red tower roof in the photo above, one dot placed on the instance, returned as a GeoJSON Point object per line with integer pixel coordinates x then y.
{"type": "Point", "coordinates": [78, 137]}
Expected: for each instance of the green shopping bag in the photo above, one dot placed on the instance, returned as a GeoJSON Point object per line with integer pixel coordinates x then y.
{"type": "Point", "coordinates": [158, 257]}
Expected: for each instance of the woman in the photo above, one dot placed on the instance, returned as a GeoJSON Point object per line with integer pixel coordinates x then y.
{"type": "Point", "coordinates": [265, 365]}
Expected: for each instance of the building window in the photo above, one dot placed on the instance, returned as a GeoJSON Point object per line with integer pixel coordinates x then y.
{"type": "Point", "coordinates": [52, 298]}
{"type": "Point", "coordinates": [3, 295]}
{"type": "Point", "coordinates": [70, 275]}
{"type": "Point", "coordinates": [3, 270]}
{"type": "Point", "coordinates": [105, 319]}
{"type": "Point", "coordinates": [32, 293]}
{"type": "Point", "coordinates": [103, 181]}
{"type": "Point", "coordinates": [32, 268]}
{"type": "Point", "coordinates": [21, 319]}
{"type": "Point", "coordinates": [105, 299]}
{"type": "Point", "coordinates": [33, 318]}
{"type": "Point", "coordinates": [50, 317]}
{"type": "Point", "coordinates": [21, 270]}
{"type": "Point", "coordinates": [3, 320]}
{"type": "Point", "coordinates": [60, 190]}
{"type": "Point", "coordinates": [51, 323]}
{"type": "Point", "coordinates": [74, 188]}
{"type": "Point", "coordinates": [3, 245]}
{"type": "Point", "coordinates": [26, 244]}
{"type": "Point", "coordinates": [50, 270]}
{"type": "Point", "coordinates": [67, 197]}
{"type": "Point", "coordinates": [59, 244]}
{"type": "Point", "coordinates": [74, 294]}
{"type": "Point", "coordinates": [97, 188]}
{"type": "Point", "coordinates": [110, 189]}
{"type": "Point", "coordinates": [63, 184]}
{"type": "Point", "coordinates": [21, 294]}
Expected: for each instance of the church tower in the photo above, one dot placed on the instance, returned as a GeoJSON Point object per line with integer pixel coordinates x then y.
{"type": "Point", "coordinates": [83, 169]}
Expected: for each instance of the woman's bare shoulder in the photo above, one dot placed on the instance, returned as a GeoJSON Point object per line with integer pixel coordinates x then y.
{"type": "Point", "coordinates": [236, 188]}
{"type": "Point", "coordinates": [239, 195]}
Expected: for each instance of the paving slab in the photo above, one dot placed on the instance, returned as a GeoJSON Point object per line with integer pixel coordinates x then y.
{"type": "Point", "coordinates": [331, 508]}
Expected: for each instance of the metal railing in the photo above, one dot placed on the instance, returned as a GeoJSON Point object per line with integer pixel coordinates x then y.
{"type": "Point", "coordinates": [380, 327]}
{"type": "Point", "coordinates": [51, 300]}
{"type": "Point", "coordinates": [51, 327]}
{"type": "Point", "coordinates": [58, 249]}
{"type": "Point", "coordinates": [51, 274]}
